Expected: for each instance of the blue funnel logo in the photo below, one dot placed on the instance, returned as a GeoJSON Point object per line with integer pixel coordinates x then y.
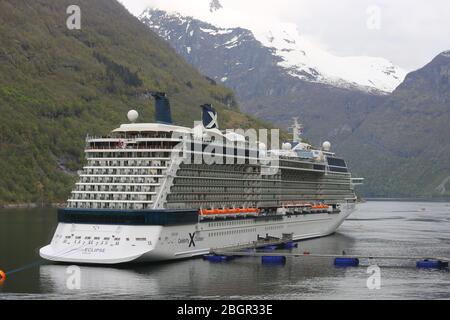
{"type": "Point", "coordinates": [209, 117]}
{"type": "Point", "coordinates": [162, 108]}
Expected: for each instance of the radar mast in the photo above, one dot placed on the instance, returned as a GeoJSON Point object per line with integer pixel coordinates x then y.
{"type": "Point", "coordinates": [297, 130]}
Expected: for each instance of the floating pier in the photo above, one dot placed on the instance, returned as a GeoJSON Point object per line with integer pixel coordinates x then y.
{"type": "Point", "coordinates": [340, 260]}
{"type": "Point", "coordinates": [217, 258]}
{"type": "Point", "coordinates": [346, 262]}
{"type": "Point", "coordinates": [431, 264]}
{"type": "Point", "coordinates": [273, 259]}
{"type": "Point", "coordinates": [290, 245]}
{"type": "Point", "coordinates": [349, 259]}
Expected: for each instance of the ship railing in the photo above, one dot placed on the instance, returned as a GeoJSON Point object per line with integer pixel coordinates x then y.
{"type": "Point", "coordinates": [296, 157]}
{"type": "Point", "coordinates": [125, 137]}
{"type": "Point", "coordinates": [127, 147]}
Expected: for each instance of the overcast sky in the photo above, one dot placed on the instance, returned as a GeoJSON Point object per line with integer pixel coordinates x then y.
{"type": "Point", "coordinates": [407, 32]}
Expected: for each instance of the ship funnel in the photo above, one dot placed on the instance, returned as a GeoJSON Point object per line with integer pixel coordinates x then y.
{"type": "Point", "coordinates": [209, 117]}
{"type": "Point", "coordinates": [162, 108]}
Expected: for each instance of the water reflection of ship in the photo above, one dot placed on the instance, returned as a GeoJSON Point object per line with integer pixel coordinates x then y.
{"type": "Point", "coordinates": [196, 278]}
{"type": "Point", "coordinates": [104, 282]}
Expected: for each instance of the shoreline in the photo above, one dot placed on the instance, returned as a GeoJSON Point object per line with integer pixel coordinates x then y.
{"type": "Point", "coordinates": [31, 205]}
{"type": "Point", "coordinates": [442, 199]}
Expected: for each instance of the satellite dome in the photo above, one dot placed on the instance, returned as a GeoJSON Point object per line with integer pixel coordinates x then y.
{"type": "Point", "coordinates": [286, 146]}
{"type": "Point", "coordinates": [132, 115]}
{"type": "Point", "coordinates": [326, 146]}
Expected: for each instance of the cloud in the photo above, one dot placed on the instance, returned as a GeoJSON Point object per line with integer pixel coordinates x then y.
{"type": "Point", "coordinates": [407, 32]}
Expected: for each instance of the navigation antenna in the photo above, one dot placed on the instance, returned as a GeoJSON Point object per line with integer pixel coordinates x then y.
{"type": "Point", "coordinates": [297, 130]}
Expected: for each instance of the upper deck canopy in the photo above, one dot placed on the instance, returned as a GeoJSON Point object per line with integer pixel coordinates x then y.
{"type": "Point", "coordinates": [155, 127]}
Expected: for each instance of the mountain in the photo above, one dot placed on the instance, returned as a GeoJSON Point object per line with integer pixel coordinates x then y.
{"type": "Point", "coordinates": [57, 85]}
{"type": "Point", "coordinates": [398, 141]}
{"type": "Point", "coordinates": [234, 57]}
{"type": "Point", "coordinates": [281, 44]}
{"type": "Point", "coordinates": [405, 142]}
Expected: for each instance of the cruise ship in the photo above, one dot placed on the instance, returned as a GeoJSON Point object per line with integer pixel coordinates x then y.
{"type": "Point", "coordinates": [150, 192]}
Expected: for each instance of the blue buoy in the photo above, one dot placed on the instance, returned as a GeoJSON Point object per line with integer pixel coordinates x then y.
{"type": "Point", "coordinates": [270, 248]}
{"type": "Point", "coordinates": [273, 259]}
{"type": "Point", "coordinates": [290, 245]}
{"type": "Point", "coordinates": [346, 262]}
{"type": "Point", "coordinates": [216, 258]}
{"type": "Point", "coordinates": [431, 264]}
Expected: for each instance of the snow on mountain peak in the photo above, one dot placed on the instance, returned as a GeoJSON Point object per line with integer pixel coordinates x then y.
{"type": "Point", "coordinates": [446, 54]}
{"type": "Point", "coordinates": [299, 55]}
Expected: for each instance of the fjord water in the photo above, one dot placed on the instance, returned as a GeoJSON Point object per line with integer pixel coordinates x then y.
{"type": "Point", "coordinates": [377, 228]}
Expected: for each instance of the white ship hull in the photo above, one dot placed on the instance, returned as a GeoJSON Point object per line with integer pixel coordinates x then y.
{"type": "Point", "coordinates": [114, 244]}
{"type": "Point", "coordinates": [157, 192]}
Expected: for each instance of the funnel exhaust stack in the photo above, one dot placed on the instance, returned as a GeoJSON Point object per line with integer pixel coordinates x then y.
{"type": "Point", "coordinates": [162, 108]}
{"type": "Point", "coordinates": [209, 117]}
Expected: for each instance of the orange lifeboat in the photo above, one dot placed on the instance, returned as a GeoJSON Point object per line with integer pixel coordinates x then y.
{"type": "Point", "coordinates": [319, 206]}
{"type": "Point", "coordinates": [206, 212]}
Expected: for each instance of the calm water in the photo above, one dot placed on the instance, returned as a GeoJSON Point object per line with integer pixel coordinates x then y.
{"type": "Point", "coordinates": [377, 228]}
